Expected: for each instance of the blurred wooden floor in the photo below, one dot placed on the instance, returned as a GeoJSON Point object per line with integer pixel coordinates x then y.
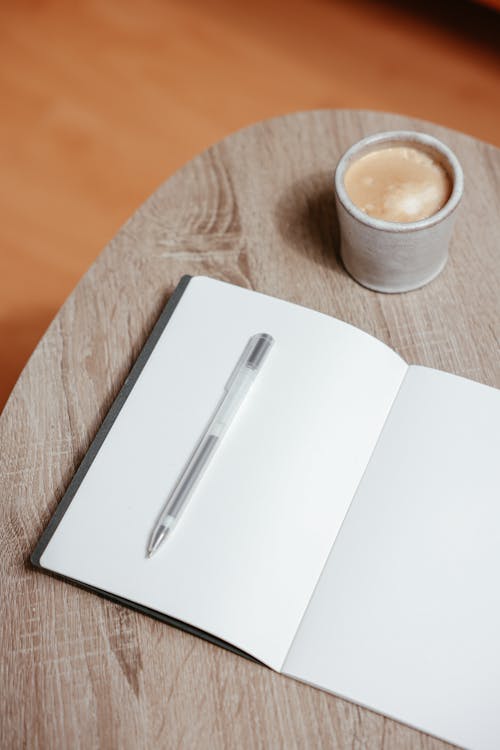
{"type": "Point", "coordinates": [101, 100]}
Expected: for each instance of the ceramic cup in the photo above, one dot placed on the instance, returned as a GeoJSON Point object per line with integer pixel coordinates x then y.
{"type": "Point", "coordinates": [390, 256]}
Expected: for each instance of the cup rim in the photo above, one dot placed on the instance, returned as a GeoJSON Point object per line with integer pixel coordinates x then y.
{"type": "Point", "coordinates": [400, 136]}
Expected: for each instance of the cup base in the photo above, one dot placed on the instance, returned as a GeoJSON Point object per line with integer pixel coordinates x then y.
{"type": "Point", "coordinates": [396, 288]}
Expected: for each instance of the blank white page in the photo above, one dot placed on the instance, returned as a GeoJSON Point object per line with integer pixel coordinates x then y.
{"type": "Point", "coordinates": [244, 559]}
{"type": "Point", "coordinates": [406, 616]}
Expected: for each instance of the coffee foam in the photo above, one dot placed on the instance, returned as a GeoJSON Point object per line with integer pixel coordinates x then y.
{"type": "Point", "coordinates": [400, 184]}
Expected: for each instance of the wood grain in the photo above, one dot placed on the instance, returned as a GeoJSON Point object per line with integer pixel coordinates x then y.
{"type": "Point", "coordinates": [101, 101]}
{"type": "Point", "coordinates": [257, 209]}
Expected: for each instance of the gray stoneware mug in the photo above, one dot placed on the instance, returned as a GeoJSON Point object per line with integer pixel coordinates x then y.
{"type": "Point", "coordinates": [390, 256]}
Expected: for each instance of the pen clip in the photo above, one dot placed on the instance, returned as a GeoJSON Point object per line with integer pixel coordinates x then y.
{"type": "Point", "coordinates": [253, 356]}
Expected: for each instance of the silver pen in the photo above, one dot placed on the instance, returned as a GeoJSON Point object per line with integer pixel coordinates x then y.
{"type": "Point", "coordinates": [237, 387]}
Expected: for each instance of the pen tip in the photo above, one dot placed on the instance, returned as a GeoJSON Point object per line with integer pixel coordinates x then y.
{"type": "Point", "coordinates": [156, 540]}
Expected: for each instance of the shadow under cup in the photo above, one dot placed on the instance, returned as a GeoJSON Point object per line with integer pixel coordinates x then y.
{"type": "Point", "coordinates": [390, 256]}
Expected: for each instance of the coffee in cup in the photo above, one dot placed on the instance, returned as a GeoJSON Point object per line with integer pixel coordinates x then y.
{"type": "Point", "coordinates": [398, 183]}
{"type": "Point", "coordinates": [396, 196]}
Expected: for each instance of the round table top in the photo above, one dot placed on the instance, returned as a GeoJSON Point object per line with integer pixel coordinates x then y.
{"type": "Point", "coordinates": [257, 210]}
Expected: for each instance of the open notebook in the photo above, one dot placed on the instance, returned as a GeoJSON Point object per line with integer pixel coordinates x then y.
{"type": "Point", "coordinates": [347, 530]}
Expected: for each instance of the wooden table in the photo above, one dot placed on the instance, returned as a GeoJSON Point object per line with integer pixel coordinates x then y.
{"type": "Point", "coordinates": [257, 210]}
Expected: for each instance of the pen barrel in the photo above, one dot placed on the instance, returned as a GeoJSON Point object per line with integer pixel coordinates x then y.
{"type": "Point", "coordinates": [226, 410]}
{"type": "Point", "coordinates": [231, 401]}
{"type": "Point", "coordinates": [189, 477]}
